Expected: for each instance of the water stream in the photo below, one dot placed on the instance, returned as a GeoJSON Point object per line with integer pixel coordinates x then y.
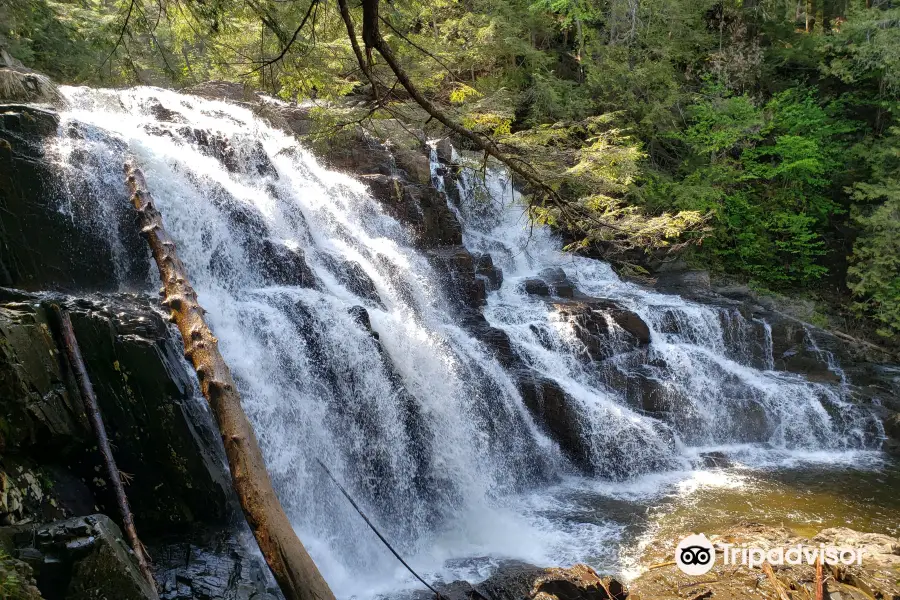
{"type": "Point", "coordinates": [424, 426]}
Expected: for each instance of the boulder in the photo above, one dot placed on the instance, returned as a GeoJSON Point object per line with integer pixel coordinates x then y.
{"type": "Point", "coordinates": [361, 316]}
{"type": "Point", "coordinates": [550, 282]}
{"type": "Point", "coordinates": [444, 147]}
{"type": "Point", "coordinates": [535, 286]}
{"type": "Point", "coordinates": [84, 558]}
{"type": "Point", "coordinates": [282, 265]}
{"type": "Point", "coordinates": [714, 460]}
{"type": "Point", "coordinates": [596, 322]}
{"type": "Point", "coordinates": [163, 435]}
{"type": "Point", "coordinates": [552, 409]}
{"type": "Point", "coordinates": [558, 282]}
{"type": "Point", "coordinates": [485, 268]}
{"type": "Point", "coordinates": [19, 84]}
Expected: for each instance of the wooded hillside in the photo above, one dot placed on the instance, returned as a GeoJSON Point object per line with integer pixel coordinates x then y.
{"type": "Point", "coordinates": [757, 138]}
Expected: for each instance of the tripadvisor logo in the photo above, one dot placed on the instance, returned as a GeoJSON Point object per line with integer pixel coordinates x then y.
{"type": "Point", "coordinates": [695, 555]}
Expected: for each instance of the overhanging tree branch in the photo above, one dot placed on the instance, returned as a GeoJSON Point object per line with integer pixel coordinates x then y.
{"type": "Point", "coordinates": [290, 43]}
{"type": "Point", "coordinates": [372, 39]}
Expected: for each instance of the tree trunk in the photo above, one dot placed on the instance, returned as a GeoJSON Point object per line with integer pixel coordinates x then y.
{"type": "Point", "coordinates": [294, 570]}
{"type": "Point", "coordinates": [73, 352]}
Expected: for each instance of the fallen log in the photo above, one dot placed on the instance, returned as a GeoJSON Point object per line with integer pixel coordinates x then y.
{"type": "Point", "coordinates": [73, 352]}
{"type": "Point", "coordinates": [293, 568]}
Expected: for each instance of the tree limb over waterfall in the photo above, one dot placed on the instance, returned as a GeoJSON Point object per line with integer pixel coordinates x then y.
{"type": "Point", "coordinates": [293, 568]}
{"type": "Point", "coordinates": [372, 38]}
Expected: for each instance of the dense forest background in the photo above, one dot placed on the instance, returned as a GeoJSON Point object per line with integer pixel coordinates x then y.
{"type": "Point", "coordinates": [757, 138]}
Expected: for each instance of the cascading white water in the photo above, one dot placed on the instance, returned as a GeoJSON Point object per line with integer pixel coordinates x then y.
{"type": "Point", "coordinates": [700, 357]}
{"type": "Point", "coordinates": [422, 423]}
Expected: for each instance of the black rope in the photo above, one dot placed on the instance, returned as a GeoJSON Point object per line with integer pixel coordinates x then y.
{"type": "Point", "coordinates": [372, 527]}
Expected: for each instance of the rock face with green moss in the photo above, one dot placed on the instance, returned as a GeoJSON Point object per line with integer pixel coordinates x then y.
{"type": "Point", "coordinates": [162, 434]}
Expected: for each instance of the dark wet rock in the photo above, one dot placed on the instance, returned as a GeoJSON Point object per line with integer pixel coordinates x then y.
{"type": "Point", "coordinates": [535, 286]}
{"type": "Point", "coordinates": [214, 145]}
{"type": "Point", "coordinates": [361, 316]}
{"type": "Point", "coordinates": [550, 282]}
{"type": "Point", "coordinates": [161, 113]}
{"type": "Point", "coordinates": [444, 149]}
{"type": "Point", "coordinates": [485, 267]}
{"type": "Point", "coordinates": [163, 435]}
{"type": "Point", "coordinates": [425, 211]}
{"type": "Point", "coordinates": [634, 376]}
{"type": "Point", "coordinates": [891, 424]}
{"type": "Point", "coordinates": [356, 154]}
{"type": "Point", "coordinates": [422, 208]}
{"type": "Point", "coordinates": [589, 316]}
{"type": "Point", "coordinates": [209, 564]}
{"type": "Point", "coordinates": [76, 247]}
{"type": "Point", "coordinates": [516, 580]}
{"type": "Point", "coordinates": [32, 492]}
{"type": "Point", "coordinates": [552, 409]}
{"type": "Point", "coordinates": [558, 282]}
{"type": "Point", "coordinates": [496, 340]}
{"type": "Point", "coordinates": [37, 407]}
{"type": "Point", "coordinates": [714, 460]}
{"type": "Point", "coordinates": [387, 189]}
{"type": "Point", "coordinates": [84, 558]}
{"type": "Point", "coordinates": [795, 349]}
{"type": "Point", "coordinates": [282, 265]}
{"type": "Point", "coordinates": [457, 268]}
{"type": "Point", "coordinates": [687, 282]}
{"type": "Point", "coordinates": [353, 276]}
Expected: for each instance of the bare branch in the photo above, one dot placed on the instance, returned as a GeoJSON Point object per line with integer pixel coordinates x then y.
{"type": "Point", "coordinates": [290, 43]}
{"type": "Point", "coordinates": [121, 35]}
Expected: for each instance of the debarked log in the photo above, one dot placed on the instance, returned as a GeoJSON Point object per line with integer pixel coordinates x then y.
{"type": "Point", "coordinates": [293, 568]}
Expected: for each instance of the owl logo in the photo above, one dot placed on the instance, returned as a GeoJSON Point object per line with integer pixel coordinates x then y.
{"type": "Point", "coordinates": [695, 555]}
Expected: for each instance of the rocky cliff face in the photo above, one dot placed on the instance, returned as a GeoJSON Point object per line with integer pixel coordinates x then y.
{"type": "Point", "coordinates": [54, 254]}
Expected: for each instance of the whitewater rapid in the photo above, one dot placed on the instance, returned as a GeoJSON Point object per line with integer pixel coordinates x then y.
{"type": "Point", "coordinates": [423, 424]}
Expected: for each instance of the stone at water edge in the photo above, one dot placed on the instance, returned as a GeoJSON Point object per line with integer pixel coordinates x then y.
{"type": "Point", "coordinates": [515, 580]}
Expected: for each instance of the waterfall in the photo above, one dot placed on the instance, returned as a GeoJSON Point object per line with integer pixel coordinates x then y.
{"type": "Point", "coordinates": [345, 347]}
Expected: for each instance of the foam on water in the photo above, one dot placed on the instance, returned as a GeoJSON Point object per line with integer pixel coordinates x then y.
{"type": "Point", "coordinates": [423, 425]}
